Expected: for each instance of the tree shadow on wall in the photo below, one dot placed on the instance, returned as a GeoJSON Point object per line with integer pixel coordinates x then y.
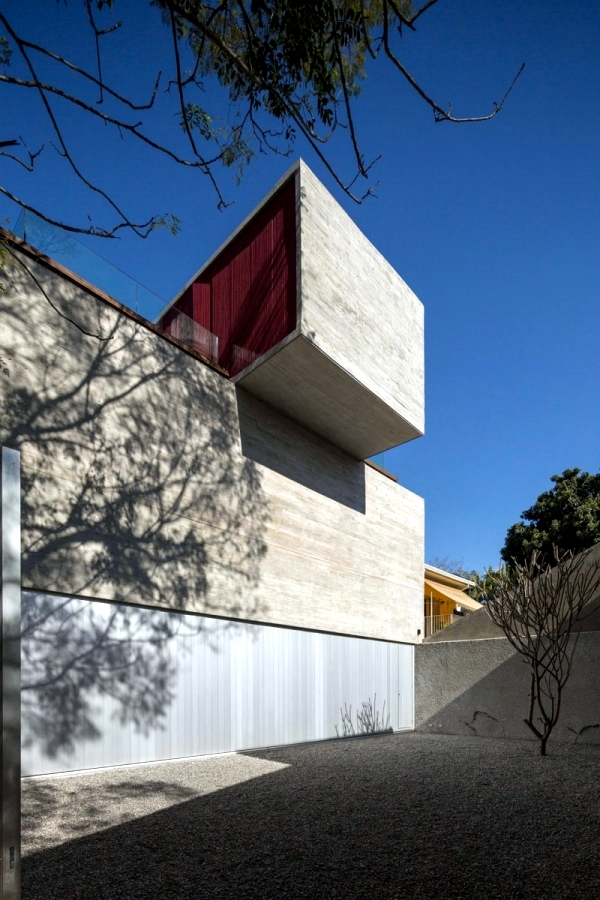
{"type": "Point", "coordinates": [134, 490]}
{"type": "Point", "coordinates": [74, 652]}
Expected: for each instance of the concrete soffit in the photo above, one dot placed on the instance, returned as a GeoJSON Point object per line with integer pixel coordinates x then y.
{"type": "Point", "coordinates": [302, 381]}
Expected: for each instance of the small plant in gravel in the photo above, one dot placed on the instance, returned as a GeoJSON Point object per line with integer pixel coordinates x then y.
{"type": "Point", "coordinates": [368, 720]}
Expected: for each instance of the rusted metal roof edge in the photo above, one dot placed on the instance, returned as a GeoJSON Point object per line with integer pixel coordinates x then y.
{"type": "Point", "coordinates": [377, 468]}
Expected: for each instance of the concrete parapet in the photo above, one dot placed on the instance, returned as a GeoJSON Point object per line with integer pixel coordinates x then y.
{"type": "Point", "coordinates": [481, 687]}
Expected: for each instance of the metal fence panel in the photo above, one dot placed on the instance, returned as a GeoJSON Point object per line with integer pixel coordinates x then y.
{"type": "Point", "coordinates": [105, 684]}
{"type": "Point", "coordinates": [10, 725]}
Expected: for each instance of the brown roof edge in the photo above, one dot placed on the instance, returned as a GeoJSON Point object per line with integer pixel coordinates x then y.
{"type": "Point", "coordinates": [377, 468]}
{"type": "Point", "coordinates": [106, 298]}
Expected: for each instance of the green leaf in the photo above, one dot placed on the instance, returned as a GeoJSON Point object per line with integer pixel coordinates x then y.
{"type": "Point", "coordinates": [197, 119]}
{"type": "Point", "coordinates": [5, 51]}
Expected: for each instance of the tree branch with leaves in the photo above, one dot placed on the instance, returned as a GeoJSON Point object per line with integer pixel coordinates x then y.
{"type": "Point", "coordinates": [567, 516]}
{"type": "Point", "coordinates": [286, 70]}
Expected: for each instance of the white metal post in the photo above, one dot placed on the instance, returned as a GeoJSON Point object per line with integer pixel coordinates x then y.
{"type": "Point", "coordinates": [10, 650]}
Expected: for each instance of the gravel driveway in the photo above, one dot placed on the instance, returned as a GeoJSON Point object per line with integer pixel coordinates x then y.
{"type": "Point", "coordinates": [406, 816]}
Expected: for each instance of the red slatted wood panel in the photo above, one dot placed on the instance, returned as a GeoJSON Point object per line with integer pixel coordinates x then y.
{"type": "Point", "coordinates": [247, 297]}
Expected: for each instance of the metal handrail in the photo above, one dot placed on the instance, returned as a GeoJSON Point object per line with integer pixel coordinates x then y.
{"type": "Point", "coordinates": [433, 624]}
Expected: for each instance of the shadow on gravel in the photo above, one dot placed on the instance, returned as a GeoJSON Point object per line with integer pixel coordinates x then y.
{"type": "Point", "coordinates": [404, 816]}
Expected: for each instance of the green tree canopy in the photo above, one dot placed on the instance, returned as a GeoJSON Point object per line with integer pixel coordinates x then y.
{"type": "Point", "coordinates": [567, 516]}
{"type": "Point", "coordinates": [285, 69]}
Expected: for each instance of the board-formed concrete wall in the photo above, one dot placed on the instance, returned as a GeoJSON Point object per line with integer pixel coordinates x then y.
{"type": "Point", "coordinates": [355, 307]}
{"type": "Point", "coordinates": [481, 687]}
{"type": "Point", "coordinates": [149, 478]}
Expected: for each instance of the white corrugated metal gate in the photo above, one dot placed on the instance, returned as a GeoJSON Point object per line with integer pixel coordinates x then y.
{"type": "Point", "coordinates": [106, 684]}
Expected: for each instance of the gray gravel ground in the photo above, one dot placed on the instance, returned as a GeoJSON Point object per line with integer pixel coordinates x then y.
{"type": "Point", "coordinates": [398, 816]}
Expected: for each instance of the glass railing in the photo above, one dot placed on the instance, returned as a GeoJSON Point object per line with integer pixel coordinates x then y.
{"type": "Point", "coordinates": [192, 334]}
{"type": "Point", "coordinates": [72, 254]}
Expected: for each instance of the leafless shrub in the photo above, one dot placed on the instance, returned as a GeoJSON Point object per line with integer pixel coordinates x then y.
{"type": "Point", "coordinates": [537, 607]}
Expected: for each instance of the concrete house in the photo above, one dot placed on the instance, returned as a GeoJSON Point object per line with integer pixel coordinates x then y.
{"type": "Point", "coordinates": [208, 562]}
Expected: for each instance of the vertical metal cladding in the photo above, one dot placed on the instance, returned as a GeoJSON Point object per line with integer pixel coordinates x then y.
{"type": "Point", "coordinates": [164, 685]}
{"type": "Point", "coordinates": [10, 676]}
{"type": "Point", "coordinates": [246, 299]}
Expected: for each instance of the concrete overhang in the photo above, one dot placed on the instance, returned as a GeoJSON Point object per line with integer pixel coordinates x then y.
{"type": "Point", "coordinates": [301, 310]}
{"type": "Point", "coordinates": [307, 385]}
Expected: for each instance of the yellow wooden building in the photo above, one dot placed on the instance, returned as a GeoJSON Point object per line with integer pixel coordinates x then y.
{"type": "Point", "coordinates": [445, 599]}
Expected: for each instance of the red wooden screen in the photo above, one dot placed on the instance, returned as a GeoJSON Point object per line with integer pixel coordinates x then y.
{"type": "Point", "coordinates": [245, 302]}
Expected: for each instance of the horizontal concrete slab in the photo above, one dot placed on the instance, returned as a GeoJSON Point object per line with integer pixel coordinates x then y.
{"type": "Point", "coordinates": [309, 387]}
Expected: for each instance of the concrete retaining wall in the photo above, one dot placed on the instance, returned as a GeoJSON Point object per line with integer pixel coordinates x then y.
{"type": "Point", "coordinates": [481, 687]}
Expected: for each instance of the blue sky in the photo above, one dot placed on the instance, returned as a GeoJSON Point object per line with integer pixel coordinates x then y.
{"type": "Point", "coordinates": [495, 226]}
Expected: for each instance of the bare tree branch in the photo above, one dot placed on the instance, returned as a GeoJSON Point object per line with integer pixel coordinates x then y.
{"type": "Point", "coordinates": [538, 608]}
{"type": "Point", "coordinates": [143, 230]}
{"type": "Point", "coordinates": [97, 35]}
{"type": "Point", "coordinates": [204, 166]}
{"type": "Point", "coordinates": [92, 78]}
{"type": "Point", "coordinates": [357, 154]}
{"type": "Point", "coordinates": [43, 291]}
{"type": "Point", "coordinates": [440, 114]}
{"type": "Point", "coordinates": [32, 156]}
{"type": "Point", "coordinates": [132, 128]}
{"type": "Point", "coordinates": [420, 12]}
{"type": "Point", "coordinates": [64, 148]}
